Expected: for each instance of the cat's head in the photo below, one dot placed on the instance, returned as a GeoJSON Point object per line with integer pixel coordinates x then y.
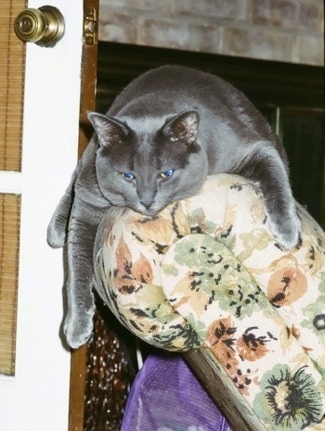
{"type": "Point", "coordinates": [146, 163]}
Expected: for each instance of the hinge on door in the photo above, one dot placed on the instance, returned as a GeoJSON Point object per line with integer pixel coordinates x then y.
{"type": "Point", "coordinates": [90, 26]}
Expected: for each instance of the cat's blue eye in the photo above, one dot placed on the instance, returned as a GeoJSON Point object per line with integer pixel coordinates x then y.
{"type": "Point", "coordinates": [128, 176]}
{"type": "Point", "coordinates": [166, 174]}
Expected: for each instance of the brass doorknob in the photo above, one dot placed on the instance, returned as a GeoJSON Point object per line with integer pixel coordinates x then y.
{"type": "Point", "coordinates": [44, 26]}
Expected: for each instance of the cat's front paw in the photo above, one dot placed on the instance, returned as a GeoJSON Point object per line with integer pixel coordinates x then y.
{"type": "Point", "coordinates": [286, 229]}
{"type": "Point", "coordinates": [58, 227]}
{"type": "Point", "coordinates": [56, 233]}
{"type": "Point", "coordinates": [78, 329]}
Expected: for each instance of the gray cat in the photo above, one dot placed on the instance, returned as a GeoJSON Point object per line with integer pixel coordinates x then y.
{"type": "Point", "coordinates": [162, 136]}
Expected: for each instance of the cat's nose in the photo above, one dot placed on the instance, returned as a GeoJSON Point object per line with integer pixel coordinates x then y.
{"type": "Point", "coordinates": [146, 204]}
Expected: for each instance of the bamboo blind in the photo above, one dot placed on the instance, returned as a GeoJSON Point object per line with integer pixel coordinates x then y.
{"type": "Point", "coordinates": [12, 60]}
{"type": "Point", "coordinates": [9, 243]}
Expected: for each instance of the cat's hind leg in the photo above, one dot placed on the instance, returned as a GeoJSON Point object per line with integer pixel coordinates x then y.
{"type": "Point", "coordinates": [78, 323]}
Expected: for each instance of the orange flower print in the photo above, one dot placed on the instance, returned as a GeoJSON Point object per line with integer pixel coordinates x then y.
{"type": "Point", "coordinates": [221, 336]}
{"type": "Point", "coordinates": [251, 346]}
{"type": "Point", "coordinates": [162, 230]}
{"type": "Point", "coordinates": [224, 345]}
{"type": "Point", "coordinates": [130, 275]}
{"type": "Point", "coordinates": [243, 380]}
{"type": "Point", "coordinates": [286, 286]}
{"type": "Point", "coordinates": [123, 255]}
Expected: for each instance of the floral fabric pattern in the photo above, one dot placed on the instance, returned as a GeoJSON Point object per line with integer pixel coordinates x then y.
{"type": "Point", "coordinates": [207, 272]}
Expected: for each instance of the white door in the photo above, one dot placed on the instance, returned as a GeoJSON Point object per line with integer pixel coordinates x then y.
{"type": "Point", "coordinates": [36, 397]}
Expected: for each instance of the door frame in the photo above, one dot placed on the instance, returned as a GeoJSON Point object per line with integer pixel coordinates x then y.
{"type": "Point", "coordinates": [37, 397]}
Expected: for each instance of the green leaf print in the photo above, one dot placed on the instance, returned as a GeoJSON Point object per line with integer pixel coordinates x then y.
{"type": "Point", "coordinates": [213, 268]}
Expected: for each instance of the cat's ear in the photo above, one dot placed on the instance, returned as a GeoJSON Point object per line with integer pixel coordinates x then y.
{"type": "Point", "coordinates": [108, 129]}
{"type": "Point", "coordinates": [183, 127]}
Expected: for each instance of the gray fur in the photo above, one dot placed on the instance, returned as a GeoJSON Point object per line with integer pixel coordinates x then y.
{"type": "Point", "coordinates": [169, 118]}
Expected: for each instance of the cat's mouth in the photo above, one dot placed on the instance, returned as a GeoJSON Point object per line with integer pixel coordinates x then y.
{"type": "Point", "coordinates": [144, 208]}
{"type": "Point", "coordinates": [147, 210]}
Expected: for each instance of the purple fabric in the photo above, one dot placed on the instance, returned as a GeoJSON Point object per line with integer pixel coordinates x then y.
{"type": "Point", "coordinates": [166, 396]}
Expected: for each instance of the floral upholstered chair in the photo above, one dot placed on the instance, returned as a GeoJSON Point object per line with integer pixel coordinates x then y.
{"type": "Point", "coordinates": [205, 277]}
